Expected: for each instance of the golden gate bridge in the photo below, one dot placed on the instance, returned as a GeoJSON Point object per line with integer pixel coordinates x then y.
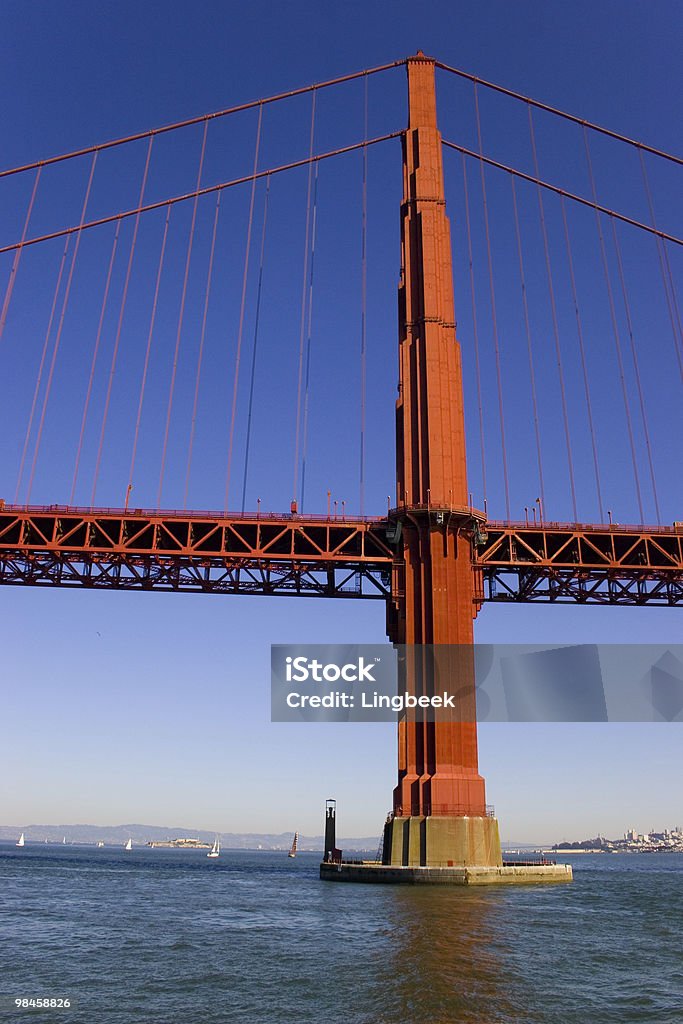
{"type": "Point", "coordinates": [138, 332]}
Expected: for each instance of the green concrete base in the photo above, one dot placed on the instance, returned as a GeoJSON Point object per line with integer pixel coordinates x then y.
{"type": "Point", "coordinates": [374, 872]}
{"type": "Point", "coordinates": [442, 842]}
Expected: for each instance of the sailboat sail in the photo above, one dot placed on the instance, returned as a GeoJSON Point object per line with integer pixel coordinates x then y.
{"type": "Point", "coordinates": [215, 849]}
{"type": "Point", "coordinates": [129, 845]}
{"type": "Point", "coordinates": [21, 841]}
{"type": "Point", "coordinates": [295, 844]}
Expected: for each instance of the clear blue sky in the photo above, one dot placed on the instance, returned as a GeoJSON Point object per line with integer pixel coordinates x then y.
{"type": "Point", "coordinates": [155, 708]}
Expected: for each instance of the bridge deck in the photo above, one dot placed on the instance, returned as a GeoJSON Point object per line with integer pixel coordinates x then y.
{"type": "Point", "coordinates": [320, 556]}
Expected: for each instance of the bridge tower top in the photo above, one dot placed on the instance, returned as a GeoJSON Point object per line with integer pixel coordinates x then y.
{"type": "Point", "coordinates": [431, 467]}
{"type": "Point", "coordinates": [421, 92]}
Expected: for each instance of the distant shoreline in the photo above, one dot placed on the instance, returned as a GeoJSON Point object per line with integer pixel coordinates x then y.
{"type": "Point", "coordinates": [142, 834]}
{"type": "Point", "coordinates": [566, 851]}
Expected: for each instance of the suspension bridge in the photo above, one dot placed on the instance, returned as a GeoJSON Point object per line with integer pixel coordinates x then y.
{"type": "Point", "coordinates": [196, 316]}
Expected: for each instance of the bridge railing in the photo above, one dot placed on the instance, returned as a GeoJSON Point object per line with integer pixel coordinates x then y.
{"type": "Point", "coordinates": [442, 810]}
{"type": "Point", "coordinates": [551, 525]}
{"type": "Point", "coordinates": [155, 513]}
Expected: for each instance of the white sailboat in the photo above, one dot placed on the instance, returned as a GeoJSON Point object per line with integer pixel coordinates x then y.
{"type": "Point", "coordinates": [215, 849]}
{"type": "Point", "coordinates": [21, 841]}
{"type": "Point", "coordinates": [129, 845]}
{"type": "Point", "coordinates": [100, 843]}
{"type": "Point", "coordinates": [295, 843]}
{"type": "Point", "coordinates": [64, 841]}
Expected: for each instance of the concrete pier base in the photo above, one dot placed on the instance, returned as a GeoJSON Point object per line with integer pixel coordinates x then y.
{"type": "Point", "coordinates": [442, 850]}
{"type": "Point", "coordinates": [442, 842]}
{"type": "Point", "coordinates": [504, 874]}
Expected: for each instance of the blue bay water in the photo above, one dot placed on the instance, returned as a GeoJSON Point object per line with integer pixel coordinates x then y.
{"type": "Point", "coordinates": [166, 936]}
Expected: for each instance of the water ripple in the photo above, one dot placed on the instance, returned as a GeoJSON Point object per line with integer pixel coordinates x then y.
{"type": "Point", "coordinates": [159, 937]}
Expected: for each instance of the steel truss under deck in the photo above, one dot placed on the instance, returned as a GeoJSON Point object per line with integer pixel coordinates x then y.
{"type": "Point", "coordinates": [311, 556]}
{"type": "Point", "coordinates": [573, 562]}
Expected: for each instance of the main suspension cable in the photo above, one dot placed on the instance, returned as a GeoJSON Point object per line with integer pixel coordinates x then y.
{"type": "Point", "coordinates": [551, 188]}
{"type": "Point", "coordinates": [560, 113]}
{"type": "Point", "coordinates": [208, 189]}
{"type": "Point", "coordinates": [150, 133]}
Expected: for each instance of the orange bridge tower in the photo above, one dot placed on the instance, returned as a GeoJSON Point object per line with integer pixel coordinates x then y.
{"type": "Point", "coordinates": [439, 814]}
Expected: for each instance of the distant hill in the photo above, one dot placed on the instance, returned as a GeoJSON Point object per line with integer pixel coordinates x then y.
{"type": "Point", "coordinates": [141, 834]}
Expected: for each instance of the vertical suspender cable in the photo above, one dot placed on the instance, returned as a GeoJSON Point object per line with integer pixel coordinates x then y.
{"type": "Point", "coordinates": [665, 254]}
{"type": "Point", "coordinates": [475, 330]}
{"type": "Point", "coordinates": [308, 341]}
{"type": "Point", "coordinates": [672, 285]}
{"type": "Point", "coordinates": [238, 352]}
{"type": "Point", "coordinates": [636, 367]}
{"type": "Point", "coordinates": [117, 338]}
{"type": "Point", "coordinates": [364, 302]}
{"type": "Point", "coordinates": [494, 320]}
{"type": "Point", "coordinates": [615, 331]}
{"type": "Point", "coordinates": [60, 326]}
{"type": "Point", "coordinates": [664, 259]}
{"type": "Point", "coordinates": [584, 367]}
{"type": "Point", "coordinates": [17, 256]}
{"type": "Point", "coordinates": [96, 349]}
{"type": "Point", "coordinates": [302, 331]}
{"type": "Point", "coordinates": [527, 324]}
{"type": "Point", "coordinates": [553, 308]}
{"type": "Point", "coordinates": [39, 377]}
{"type": "Point", "coordinates": [257, 317]}
{"type": "Point", "coordinates": [181, 317]}
{"type": "Point", "coordinates": [148, 350]}
{"type": "Point", "coordinates": [200, 353]}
